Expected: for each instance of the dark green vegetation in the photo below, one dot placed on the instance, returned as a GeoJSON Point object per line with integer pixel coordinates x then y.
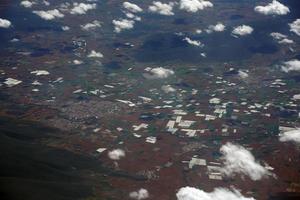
{"type": "Point", "coordinates": [30, 170]}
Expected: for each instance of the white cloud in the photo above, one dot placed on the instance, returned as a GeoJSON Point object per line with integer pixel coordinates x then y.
{"type": "Point", "coordinates": [140, 194]}
{"type": "Point", "coordinates": [274, 8]}
{"type": "Point", "coordinates": [198, 31]}
{"type": "Point", "coordinates": [191, 193]}
{"type": "Point", "coordinates": [238, 160]}
{"type": "Point", "coordinates": [132, 16]}
{"type": "Point", "coordinates": [295, 26]}
{"type": "Point", "coordinates": [4, 23]}
{"type": "Point", "coordinates": [219, 27]}
{"type": "Point", "coordinates": [159, 73]}
{"type": "Point", "coordinates": [77, 62]}
{"type": "Point", "coordinates": [27, 4]}
{"type": "Point", "coordinates": [296, 97]}
{"type": "Point", "coordinates": [15, 40]}
{"type": "Point", "coordinates": [242, 30]}
{"type": "Point", "coordinates": [94, 54]}
{"type": "Point", "coordinates": [82, 8]}
{"type": "Point", "coordinates": [10, 82]}
{"type": "Point", "coordinates": [281, 38]}
{"type": "Point", "coordinates": [116, 154]}
{"type": "Point", "coordinates": [292, 65]}
{"type": "Point", "coordinates": [194, 5]}
{"type": "Point", "coordinates": [243, 74]}
{"type": "Point", "coordinates": [193, 42]}
{"type": "Point", "coordinates": [278, 36]}
{"type": "Point", "coordinates": [286, 41]}
{"type": "Point", "coordinates": [65, 28]}
{"type": "Point", "coordinates": [292, 135]}
{"type": "Point", "coordinates": [132, 7]}
{"type": "Point", "coordinates": [50, 14]}
{"type": "Point", "coordinates": [168, 88]}
{"type": "Point", "coordinates": [36, 83]}
{"type": "Point", "coordinates": [162, 8]}
{"type": "Point", "coordinates": [65, 7]}
{"type": "Point", "coordinates": [46, 3]}
{"type": "Point", "coordinates": [40, 72]}
{"type": "Point", "coordinates": [123, 24]}
{"type": "Point", "coordinates": [91, 26]}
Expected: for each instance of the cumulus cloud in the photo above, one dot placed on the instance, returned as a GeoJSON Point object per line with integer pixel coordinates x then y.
{"type": "Point", "coordinates": [193, 42]}
{"type": "Point", "coordinates": [243, 74]}
{"type": "Point", "coordinates": [278, 36]}
{"type": "Point", "coordinates": [168, 88]}
{"type": "Point", "coordinates": [273, 8]}
{"type": "Point", "coordinates": [65, 28]}
{"type": "Point", "coordinates": [159, 73]}
{"type": "Point", "coordinates": [132, 7]}
{"type": "Point", "coordinates": [132, 16]}
{"type": "Point", "coordinates": [295, 26]}
{"type": "Point", "coordinates": [292, 135]}
{"type": "Point", "coordinates": [242, 30]}
{"type": "Point", "coordinates": [82, 8]}
{"type": "Point", "coordinates": [77, 62]}
{"type": "Point", "coordinates": [50, 14]}
{"type": "Point", "coordinates": [46, 3]}
{"type": "Point", "coordinates": [65, 7]}
{"type": "Point", "coordinates": [27, 4]}
{"type": "Point", "coordinates": [94, 54]}
{"type": "Point", "coordinates": [191, 193]}
{"type": "Point", "coordinates": [198, 31]}
{"type": "Point", "coordinates": [91, 26]}
{"type": "Point", "coordinates": [10, 82]}
{"type": "Point", "coordinates": [4, 23]}
{"type": "Point", "coordinates": [292, 65]}
{"type": "Point", "coordinates": [123, 24]}
{"type": "Point", "coordinates": [281, 38]}
{"type": "Point", "coordinates": [238, 160]}
{"type": "Point", "coordinates": [286, 41]}
{"type": "Point", "coordinates": [219, 27]}
{"type": "Point", "coordinates": [162, 8]}
{"type": "Point", "coordinates": [40, 72]}
{"type": "Point", "coordinates": [116, 154]}
{"type": "Point", "coordinates": [140, 194]}
{"type": "Point", "coordinates": [194, 5]}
